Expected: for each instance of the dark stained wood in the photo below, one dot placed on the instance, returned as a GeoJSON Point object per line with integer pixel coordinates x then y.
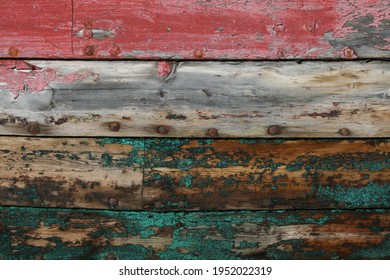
{"type": "Point", "coordinates": [28, 233]}
{"type": "Point", "coordinates": [184, 174]}
{"type": "Point", "coordinates": [196, 99]}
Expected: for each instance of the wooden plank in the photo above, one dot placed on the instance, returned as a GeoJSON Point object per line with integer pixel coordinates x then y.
{"type": "Point", "coordinates": [36, 29]}
{"type": "Point", "coordinates": [220, 29]}
{"type": "Point", "coordinates": [195, 99]}
{"type": "Point", "coordinates": [197, 29]}
{"type": "Point", "coordinates": [76, 173]}
{"type": "Point", "coordinates": [186, 175]}
{"type": "Point", "coordinates": [28, 233]}
{"type": "Point", "coordinates": [259, 174]}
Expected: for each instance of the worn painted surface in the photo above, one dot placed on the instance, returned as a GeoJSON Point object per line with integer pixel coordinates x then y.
{"type": "Point", "coordinates": [183, 174]}
{"type": "Point", "coordinates": [195, 29]}
{"type": "Point", "coordinates": [195, 99]}
{"type": "Point", "coordinates": [67, 234]}
{"type": "Point", "coordinates": [39, 28]}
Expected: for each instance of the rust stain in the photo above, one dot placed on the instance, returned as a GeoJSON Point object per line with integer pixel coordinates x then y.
{"type": "Point", "coordinates": [89, 50]}
{"type": "Point", "coordinates": [115, 50]}
{"type": "Point", "coordinates": [331, 114]}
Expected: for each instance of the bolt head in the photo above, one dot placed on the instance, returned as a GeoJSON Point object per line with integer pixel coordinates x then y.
{"type": "Point", "coordinates": [344, 132]}
{"type": "Point", "coordinates": [114, 126]}
{"type": "Point", "coordinates": [274, 130]}
{"type": "Point", "coordinates": [163, 129]}
{"type": "Point", "coordinates": [212, 132]}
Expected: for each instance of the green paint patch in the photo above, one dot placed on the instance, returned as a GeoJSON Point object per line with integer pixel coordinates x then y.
{"type": "Point", "coordinates": [106, 160]}
{"type": "Point", "coordinates": [188, 235]}
{"type": "Point", "coordinates": [370, 195]}
{"type": "Point", "coordinates": [74, 157]}
{"type": "Point", "coordinates": [5, 151]}
{"type": "Point", "coordinates": [186, 181]}
{"type": "Point", "coordinates": [84, 143]}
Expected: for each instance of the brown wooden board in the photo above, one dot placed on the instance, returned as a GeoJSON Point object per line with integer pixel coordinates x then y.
{"type": "Point", "coordinates": [183, 174]}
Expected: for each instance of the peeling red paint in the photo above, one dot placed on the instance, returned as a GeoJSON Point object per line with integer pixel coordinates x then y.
{"type": "Point", "coordinates": [163, 68]}
{"type": "Point", "coordinates": [200, 29]}
{"type": "Point", "coordinates": [19, 77]}
{"type": "Point", "coordinates": [78, 76]}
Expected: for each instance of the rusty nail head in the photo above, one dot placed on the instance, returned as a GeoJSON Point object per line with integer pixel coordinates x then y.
{"type": "Point", "coordinates": [89, 50]}
{"type": "Point", "coordinates": [87, 33]}
{"type": "Point", "coordinates": [110, 257]}
{"type": "Point", "coordinates": [212, 132]}
{"type": "Point", "coordinates": [274, 130]}
{"type": "Point", "coordinates": [34, 128]}
{"type": "Point", "coordinates": [344, 132]}
{"type": "Point", "coordinates": [158, 204]}
{"type": "Point", "coordinates": [181, 204]}
{"type": "Point", "coordinates": [113, 202]}
{"type": "Point", "coordinates": [162, 129]}
{"type": "Point", "coordinates": [114, 126]}
{"type": "Point", "coordinates": [198, 53]}
{"type": "Point", "coordinates": [14, 52]}
{"type": "Point", "coordinates": [115, 50]}
{"type": "Point", "coordinates": [266, 202]}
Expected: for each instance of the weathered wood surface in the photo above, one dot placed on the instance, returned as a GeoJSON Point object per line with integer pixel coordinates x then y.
{"type": "Point", "coordinates": [195, 29]}
{"type": "Point", "coordinates": [28, 233]}
{"type": "Point", "coordinates": [182, 174]}
{"type": "Point", "coordinates": [39, 28]}
{"type": "Point", "coordinates": [195, 99]}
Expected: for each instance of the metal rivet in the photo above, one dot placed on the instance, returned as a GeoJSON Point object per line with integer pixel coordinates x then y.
{"type": "Point", "coordinates": [274, 130]}
{"type": "Point", "coordinates": [162, 129]}
{"type": "Point", "coordinates": [198, 53]}
{"type": "Point", "coordinates": [113, 202]}
{"type": "Point", "coordinates": [114, 126]}
{"type": "Point", "coordinates": [266, 202]}
{"type": "Point", "coordinates": [34, 128]}
{"type": "Point", "coordinates": [89, 50]}
{"type": "Point", "coordinates": [212, 132]}
{"type": "Point", "coordinates": [344, 132]}
{"type": "Point", "coordinates": [158, 204]}
{"type": "Point", "coordinates": [110, 257]}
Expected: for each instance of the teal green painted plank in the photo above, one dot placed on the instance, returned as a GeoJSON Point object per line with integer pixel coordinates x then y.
{"type": "Point", "coordinates": [194, 174]}
{"type": "Point", "coordinates": [28, 233]}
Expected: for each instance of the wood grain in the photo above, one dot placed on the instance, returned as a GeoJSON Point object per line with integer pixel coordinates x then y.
{"type": "Point", "coordinates": [28, 233]}
{"type": "Point", "coordinates": [187, 175]}
{"type": "Point", "coordinates": [195, 29]}
{"type": "Point", "coordinates": [36, 29]}
{"type": "Point", "coordinates": [195, 99]}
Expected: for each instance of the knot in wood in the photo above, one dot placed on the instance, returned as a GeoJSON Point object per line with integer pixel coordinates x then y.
{"type": "Point", "coordinates": [115, 126]}
{"type": "Point", "coordinates": [274, 130]}
{"type": "Point", "coordinates": [212, 132]}
{"type": "Point", "coordinates": [34, 128]}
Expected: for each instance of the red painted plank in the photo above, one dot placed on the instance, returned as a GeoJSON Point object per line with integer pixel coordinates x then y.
{"type": "Point", "coordinates": [195, 29]}
{"type": "Point", "coordinates": [39, 28]}
{"type": "Point", "coordinates": [230, 29]}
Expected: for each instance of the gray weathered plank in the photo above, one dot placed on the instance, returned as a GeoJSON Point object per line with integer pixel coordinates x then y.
{"type": "Point", "coordinates": [236, 99]}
